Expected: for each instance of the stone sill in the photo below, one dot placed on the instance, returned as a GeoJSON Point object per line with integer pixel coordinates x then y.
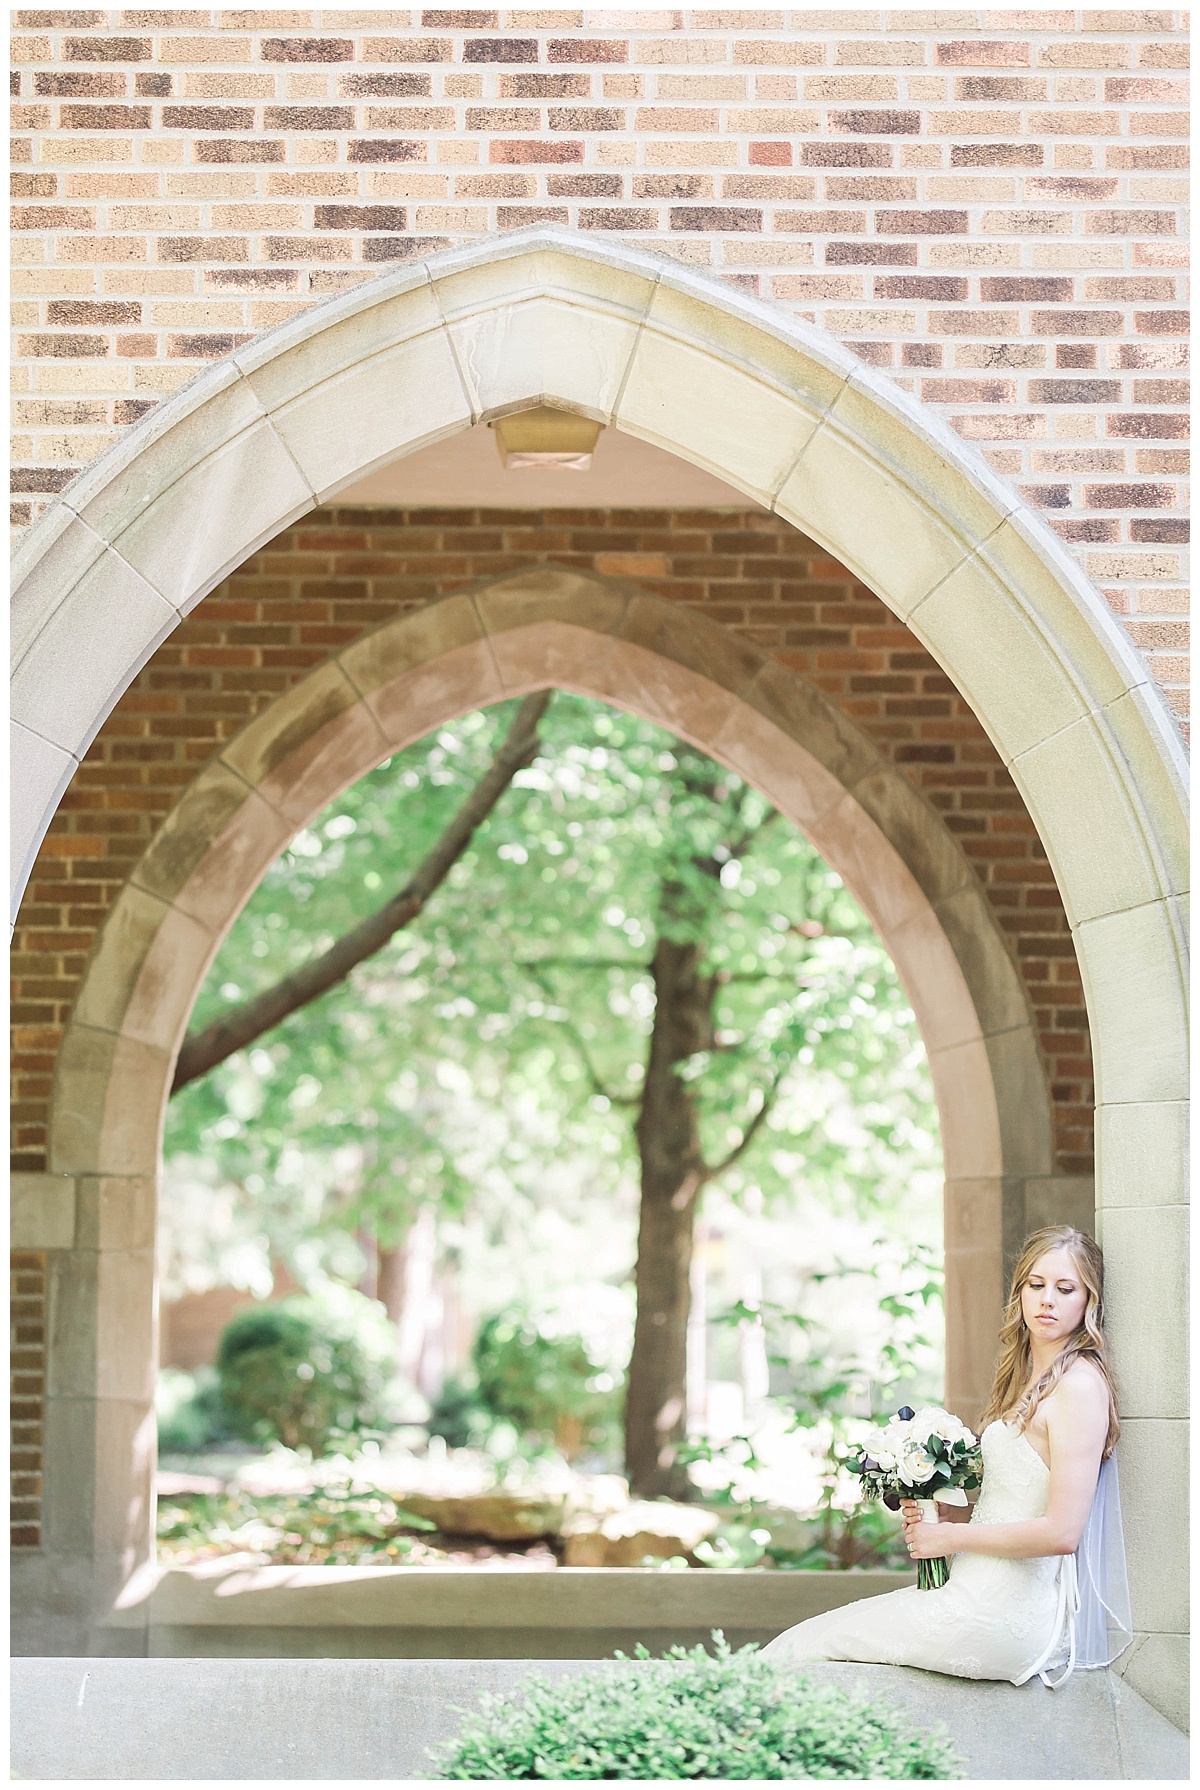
{"type": "Point", "coordinates": [232, 1591]}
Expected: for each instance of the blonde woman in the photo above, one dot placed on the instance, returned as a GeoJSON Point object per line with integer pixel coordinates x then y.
{"type": "Point", "coordinates": [1037, 1577]}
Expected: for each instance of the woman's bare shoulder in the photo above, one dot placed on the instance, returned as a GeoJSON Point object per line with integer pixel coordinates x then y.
{"type": "Point", "coordinates": [1082, 1390]}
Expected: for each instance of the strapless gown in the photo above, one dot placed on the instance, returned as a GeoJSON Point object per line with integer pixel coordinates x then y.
{"type": "Point", "coordinates": [994, 1618]}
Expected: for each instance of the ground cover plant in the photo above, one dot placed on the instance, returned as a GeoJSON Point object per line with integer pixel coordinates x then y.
{"type": "Point", "coordinates": [328, 1526]}
{"type": "Point", "coordinates": [692, 1715]}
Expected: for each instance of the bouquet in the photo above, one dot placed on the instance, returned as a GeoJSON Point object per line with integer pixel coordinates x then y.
{"type": "Point", "coordinates": [927, 1455]}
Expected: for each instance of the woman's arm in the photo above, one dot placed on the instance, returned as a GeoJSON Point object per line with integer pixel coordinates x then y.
{"type": "Point", "coordinates": [1077, 1425]}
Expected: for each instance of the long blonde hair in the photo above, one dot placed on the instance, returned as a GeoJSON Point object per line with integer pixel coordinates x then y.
{"type": "Point", "coordinates": [1009, 1399]}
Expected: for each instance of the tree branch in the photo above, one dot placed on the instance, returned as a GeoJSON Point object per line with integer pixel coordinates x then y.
{"type": "Point", "coordinates": [241, 1025]}
{"type": "Point", "coordinates": [752, 1130]}
{"type": "Point", "coordinates": [577, 1039]}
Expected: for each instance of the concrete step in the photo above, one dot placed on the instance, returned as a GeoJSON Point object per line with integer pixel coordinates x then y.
{"type": "Point", "coordinates": [126, 1719]}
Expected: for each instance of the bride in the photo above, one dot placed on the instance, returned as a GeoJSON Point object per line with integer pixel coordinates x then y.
{"type": "Point", "coordinates": [1037, 1580]}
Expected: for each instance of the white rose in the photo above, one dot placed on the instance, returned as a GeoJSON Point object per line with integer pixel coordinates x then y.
{"type": "Point", "coordinates": [916, 1468]}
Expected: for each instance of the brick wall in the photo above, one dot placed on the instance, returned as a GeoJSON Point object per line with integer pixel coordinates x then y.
{"type": "Point", "coordinates": [27, 1369]}
{"type": "Point", "coordinates": [984, 203]}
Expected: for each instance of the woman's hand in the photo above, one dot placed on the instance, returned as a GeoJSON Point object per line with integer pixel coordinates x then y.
{"type": "Point", "coordinates": [925, 1540]}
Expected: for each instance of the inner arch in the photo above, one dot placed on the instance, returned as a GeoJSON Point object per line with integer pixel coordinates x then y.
{"type": "Point", "coordinates": [608, 639]}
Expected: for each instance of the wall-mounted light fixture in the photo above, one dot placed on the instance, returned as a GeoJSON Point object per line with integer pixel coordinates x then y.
{"type": "Point", "coordinates": [546, 437]}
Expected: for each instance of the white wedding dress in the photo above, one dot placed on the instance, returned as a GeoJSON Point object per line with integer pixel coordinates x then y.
{"type": "Point", "coordinates": [993, 1619]}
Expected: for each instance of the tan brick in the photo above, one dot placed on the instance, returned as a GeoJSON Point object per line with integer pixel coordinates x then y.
{"type": "Point", "coordinates": [1026, 223]}
{"type": "Point", "coordinates": [994, 355]}
{"type": "Point", "coordinates": [1083, 55]}
{"type": "Point", "coordinates": [851, 87]}
{"type": "Point", "coordinates": [961, 123]}
{"type": "Point", "coordinates": [818, 285]}
{"type": "Point", "coordinates": [675, 118]}
{"type": "Point", "coordinates": [683, 154]}
{"type": "Point", "coordinates": [962, 190]}
{"type": "Point", "coordinates": [877, 52]}
{"type": "Point", "coordinates": [696, 87]}
{"type": "Point", "coordinates": [673, 50]}
{"type": "Point", "coordinates": [228, 85]}
{"type": "Point", "coordinates": [777, 53]}
{"type": "Point", "coordinates": [101, 248]}
{"type": "Point", "coordinates": [205, 48]}
{"type": "Point", "coordinates": [1071, 123]}
{"type": "Point", "coordinates": [451, 217]}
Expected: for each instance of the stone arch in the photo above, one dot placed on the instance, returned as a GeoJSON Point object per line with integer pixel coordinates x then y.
{"type": "Point", "coordinates": [784, 414]}
{"type": "Point", "coordinates": [522, 631]}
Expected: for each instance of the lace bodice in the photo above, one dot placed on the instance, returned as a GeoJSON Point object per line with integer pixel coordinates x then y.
{"type": "Point", "coordinates": [1016, 1480]}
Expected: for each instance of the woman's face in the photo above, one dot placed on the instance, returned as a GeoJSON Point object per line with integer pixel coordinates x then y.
{"type": "Point", "coordinates": [1054, 1298]}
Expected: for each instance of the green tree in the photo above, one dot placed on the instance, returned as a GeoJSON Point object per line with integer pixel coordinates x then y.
{"type": "Point", "coordinates": [634, 959]}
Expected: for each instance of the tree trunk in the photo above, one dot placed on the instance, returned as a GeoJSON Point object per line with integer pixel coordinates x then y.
{"type": "Point", "coordinates": [389, 1280]}
{"type": "Point", "coordinates": [668, 1140]}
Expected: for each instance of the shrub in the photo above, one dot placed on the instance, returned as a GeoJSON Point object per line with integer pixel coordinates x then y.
{"type": "Point", "coordinates": [306, 1370]}
{"type": "Point", "coordinates": [189, 1410]}
{"type": "Point", "coordinates": [459, 1414]}
{"type": "Point", "coordinates": [692, 1715]}
{"type": "Point", "coordinates": [537, 1371]}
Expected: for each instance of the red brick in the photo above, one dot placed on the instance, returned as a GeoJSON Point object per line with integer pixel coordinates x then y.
{"type": "Point", "coordinates": [1076, 323]}
{"type": "Point", "coordinates": [974, 52]}
{"type": "Point", "coordinates": [233, 149]}
{"type": "Point", "coordinates": [1074, 391]}
{"type": "Point", "coordinates": [360, 217]}
{"type": "Point", "coordinates": [308, 118]}
{"type": "Point", "coordinates": [106, 49]}
{"type": "Point", "coordinates": [945, 288]}
{"type": "Point", "coordinates": [384, 149]}
{"type": "Point", "coordinates": [846, 155]}
{"type": "Point", "coordinates": [587, 50]}
{"type": "Point", "coordinates": [1161, 426]}
{"type": "Point", "coordinates": [1025, 288]}
{"type": "Point", "coordinates": [876, 124]}
{"type": "Point", "coordinates": [921, 223]}
{"type": "Point", "coordinates": [208, 118]}
{"type": "Point", "coordinates": [1129, 497]}
{"type": "Point", "coordinates": [720, 218]}
{"type": "Point", "coordinates": [996, 155]}
{"type": "Point", "coordinates": [627, 218]}
{"type": "Point", "coordinates": [1161, 323]}
{"type": "Point", "coordinates": [500, 49]}
{"type": "Point", "coordinates": [307, 49]}
{"type": "Point", "coordinates": [104, 118]}
{"type": "Point", "coordinates": [770, 155]}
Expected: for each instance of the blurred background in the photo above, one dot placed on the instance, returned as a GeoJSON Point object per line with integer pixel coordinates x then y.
{"type": "Point", "coordinates": [399, 1235]}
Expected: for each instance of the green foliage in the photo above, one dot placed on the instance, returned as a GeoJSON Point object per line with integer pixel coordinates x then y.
{"type": "Point", "coordinates": [692, 1715]}
{"type": "Point", "coordinates": [835, 1393]}
{"type": "Point", "coordinates": [505, 1032]}
{"type": "Point", "coordinates": [331, 1526]}
{"type": "Point", "coordinates": [540, 1374]}
{"type": "Point", "coordinates": [459, 1415]}
{"type": "Point", "coordinates": [305, 1371]}
{"type": "Point", "coordinates": [189, 1410]}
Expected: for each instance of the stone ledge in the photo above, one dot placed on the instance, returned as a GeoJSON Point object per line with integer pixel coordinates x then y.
{"type": "Point", "coordinates": [119, 1720]}
{"type": "Point", "coordinates": [232, 1608]}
